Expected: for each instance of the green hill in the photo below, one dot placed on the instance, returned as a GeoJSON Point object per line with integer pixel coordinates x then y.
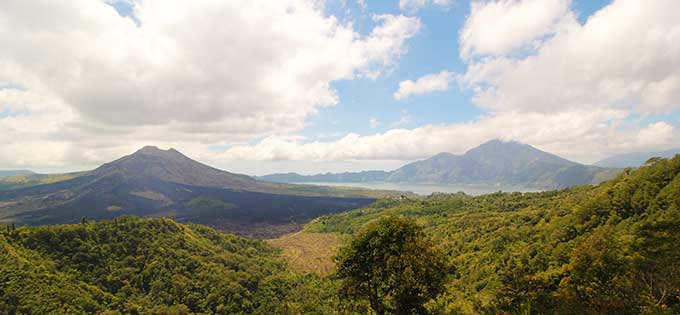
{"type": "Point", "coordinates": [141, 266]}
{"type": "Point", "coordinates": [607, 249]}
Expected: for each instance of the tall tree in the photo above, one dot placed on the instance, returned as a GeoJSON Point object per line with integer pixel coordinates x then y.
{"type": "Point", "coordinates": [394, 265]}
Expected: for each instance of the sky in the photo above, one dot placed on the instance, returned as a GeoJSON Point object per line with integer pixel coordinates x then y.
{"type": "Point", "coordinates": [313, 86]}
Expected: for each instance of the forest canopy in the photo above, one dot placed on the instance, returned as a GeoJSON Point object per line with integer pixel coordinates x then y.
{"type": "Point", "coordinates": [606, 249]}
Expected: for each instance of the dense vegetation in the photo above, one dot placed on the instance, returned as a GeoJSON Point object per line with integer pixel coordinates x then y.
{"type": "Point", "coordinates": [394, 265]}
{"type": "Point", "coordinates": [608, 249]}
{"type": "Point", "coordinates": [148, 266]}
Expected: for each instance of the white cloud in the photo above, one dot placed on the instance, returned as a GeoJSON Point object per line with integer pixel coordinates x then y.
{"type": "Point", "coordinates": [625, 56]}
{"type": "Point", "coordinates": [554, 83]}
{"type": "Point", "coordinates": [205, 72]}
{"type": "Point", "coordinates": [373, 122]}
{"type": "Point", "coordinates": [415, 5]}
{"type": "Point", "coordinates": [423, 85]}
{"type": "Point", "coordinates": [498, 27]}
{"type": "Point", "coordinates": [211, 74]}
{"type": "Point", "coordinates": [585, 135]}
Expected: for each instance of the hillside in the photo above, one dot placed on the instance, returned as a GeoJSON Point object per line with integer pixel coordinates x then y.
{"type": "Point", "coordinates": [33, 179]}
{"type": "Point", "coordinates": [8, 173]}
{"type": "Point", "coordinates": [494, 163]}
{"type": "Point", "coordinates": [153, 182]}
{"type": "Point", "coordinates": [608, 249]}
{"type": "Point", "coordinates": [635, 159]}
{"type": "Point", "coordinates": [498, 162]}
{"type": "Point", "coordinates": [143, 266]}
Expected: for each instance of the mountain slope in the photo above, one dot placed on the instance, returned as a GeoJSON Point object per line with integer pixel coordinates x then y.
{"type": "Point", "coordinates": [8, 173]}
{"type": "Point", "coordinates": [172, 166]}
{"type": "Point", "coordinates": [635, 159]}
{"type": "Point", "coordinates": [153, 182]}
{"type": "Point", "coordinates": [605, 249]}
{"type": "Point", "coordinates": [494, 162]}
{"type": "Point", "coordinates": [33, 179]}
{"type": "Point", "coordinates": [137, 266]}
{"type": "Point", "coordinates": [497, 162]}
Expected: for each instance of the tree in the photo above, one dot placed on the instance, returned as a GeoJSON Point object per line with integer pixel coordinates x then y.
{"type": "Point", "coordinates": [393, 264]}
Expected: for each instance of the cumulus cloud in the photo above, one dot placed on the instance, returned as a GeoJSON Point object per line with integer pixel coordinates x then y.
{"type": "Point", "coordinates": [79, 84]}
{"type": "Point", "coordinates": [584, 135]}
{"type": "Point", "coordinates": [373, 122]}
{"type": "Point", "coordinates": [543, 78]}
{"type": "Point", "coordinates": [498, 27]}
{"type": "Point", "coordinates": [423, 85]}
{"type": "Point", "coordinates": [178, 71]}
{"type": "Point", "coordinates": [625, 56]}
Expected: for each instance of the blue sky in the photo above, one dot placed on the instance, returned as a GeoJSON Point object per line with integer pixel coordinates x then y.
{"type": "Point", "coordinates": [275, 86]}
{"type": "Point", "coordinates": [434, 49]}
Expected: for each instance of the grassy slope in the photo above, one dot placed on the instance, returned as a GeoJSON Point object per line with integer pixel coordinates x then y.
{"type": "Point", "coordinates": [511, 251]}
{"type": "Point", "coordinates": [309, 252]}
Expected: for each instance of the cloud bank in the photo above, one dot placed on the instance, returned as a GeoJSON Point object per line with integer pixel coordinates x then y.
{"type": "Point", "coordinates": [174, 72]}
{"type": "Point", "coordinates": [80, 84]}
{"type": "Point", "coordinates": [544, 79]}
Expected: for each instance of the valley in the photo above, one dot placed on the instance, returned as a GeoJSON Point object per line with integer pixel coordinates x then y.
{"type": "Point", "coordinates": [579, 250]}
{"type": "Point", "coordinates": [313, 157]}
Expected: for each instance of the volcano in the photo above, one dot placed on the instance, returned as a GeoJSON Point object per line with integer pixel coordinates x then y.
{"type": "Point", "coordinates": [153, 182]}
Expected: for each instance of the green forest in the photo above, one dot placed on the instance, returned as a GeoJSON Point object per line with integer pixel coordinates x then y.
{"type": "Point", "coordinates": [607, 249]}
{"type": "Point", "coordinates": [613, 248]}
{"type": "Point", "coordinates": [147, 266]}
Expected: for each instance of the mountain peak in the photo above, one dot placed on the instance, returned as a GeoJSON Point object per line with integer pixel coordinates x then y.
{"type": "Point", "coordinates": [152, 163]}
{"type": "Point", "coordinates": [155, 151]}
{"type": "Point", "coordinates": [501, 143]}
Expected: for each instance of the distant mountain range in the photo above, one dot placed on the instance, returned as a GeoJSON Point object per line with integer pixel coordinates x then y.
{"type": "Point", "coordinates": [154, 182]}
{"type": "Point", "coordinates": [636, 159]}
{"type": "Point", "coordinates": [495, 162]}
{"type": "Point", "coordinates": [8, 173]}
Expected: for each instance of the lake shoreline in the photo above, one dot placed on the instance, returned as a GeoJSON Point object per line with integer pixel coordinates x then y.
{"type": "Point", "coordinates": [427, 189]}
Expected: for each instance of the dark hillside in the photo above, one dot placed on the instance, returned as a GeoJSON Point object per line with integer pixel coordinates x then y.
{"type": "Point", "coordinates": [154, 183]}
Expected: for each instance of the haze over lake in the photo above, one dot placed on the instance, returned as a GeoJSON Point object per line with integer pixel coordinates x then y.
{"type": "Point", "coordinates": [427, 189]}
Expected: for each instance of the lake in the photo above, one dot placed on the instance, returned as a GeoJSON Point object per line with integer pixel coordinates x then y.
{"type": "Point", "coordinates": [426, 189]}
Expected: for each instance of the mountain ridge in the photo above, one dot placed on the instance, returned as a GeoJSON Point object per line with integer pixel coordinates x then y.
{"type": "Point", "coordinates": [9, 173]}
{"type": "Point", "coordinates": [152, 182]}
{"type": "Point", "coordinates": [493, 162]}
{"type": "Point", "coordinates": [173, 166]}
